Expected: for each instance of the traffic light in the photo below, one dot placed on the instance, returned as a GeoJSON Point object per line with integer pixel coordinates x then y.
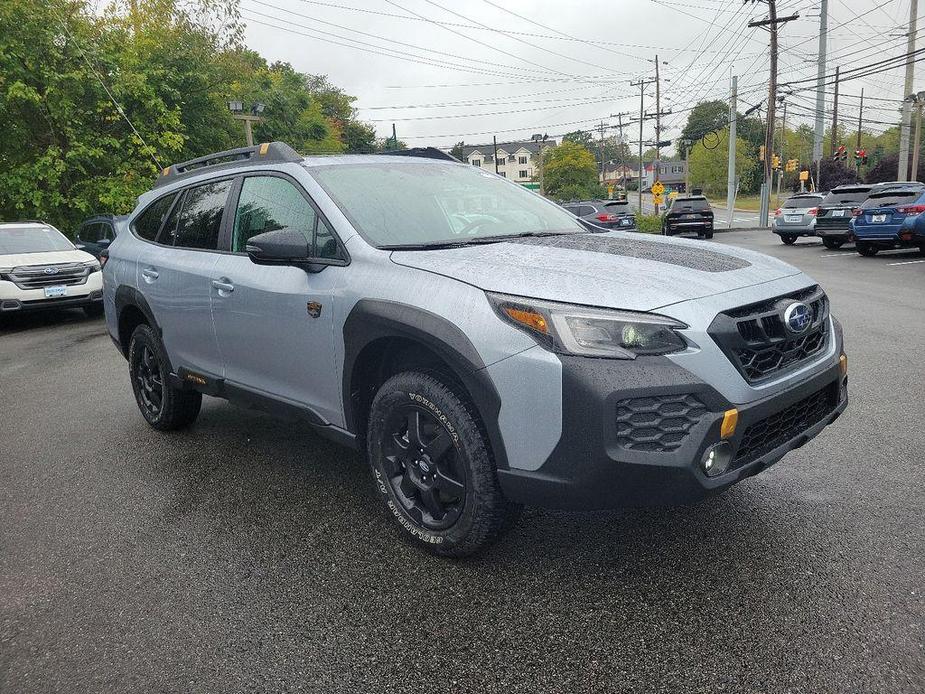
{"type": "Point", "coordinates": [775, 162]}
{"type": "Point", "coordinates": [841, 154]}
{"type": "Point", "coordinates": [792, 165]}
{"type": "Point", "coordinates": [857, 157]}
{"type": "Point", "coordinates": [862, 153]}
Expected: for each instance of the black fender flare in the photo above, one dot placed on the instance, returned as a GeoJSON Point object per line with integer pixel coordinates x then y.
{"type": "Point", "coordinates": [371, 319]}
{"type": "Point", "coordinates": [129, 296]}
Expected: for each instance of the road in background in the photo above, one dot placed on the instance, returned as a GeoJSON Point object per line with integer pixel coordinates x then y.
{"type": "Point", "coordinates": [741, 219]}
{"type": "Point", "coordinates": [248, 554]}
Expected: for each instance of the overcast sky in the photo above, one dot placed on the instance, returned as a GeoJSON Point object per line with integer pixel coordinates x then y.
{"type": "Point", "coordinates": [445, 71]}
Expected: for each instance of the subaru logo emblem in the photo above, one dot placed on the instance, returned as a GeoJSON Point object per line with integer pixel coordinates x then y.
{"type": "Point", "coordinates": [51, 271]}
{"type": "Point", "coordinates": [424, 466]}
{"type": "Point", "coordinates": [798, 317]}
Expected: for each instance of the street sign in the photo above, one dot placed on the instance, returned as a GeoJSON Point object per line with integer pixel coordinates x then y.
{"type": "Point", "coordinates": [658, 199]}
{"type": "Point", "coordinates": [658, 188]}
{"type": "Point", "coordinates": [804, 175]}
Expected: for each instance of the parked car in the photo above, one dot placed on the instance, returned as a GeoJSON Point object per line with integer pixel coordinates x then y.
{"type": "Point", "coordinates": [479, 367]}
{"type": "Point", "coordinates": [688, 214]}
{"type": "Point", "coordinates": [609, 214]}
{"type": "Point", "coordinates": [835, 212]}
{"type": "Point", "coordinates": [885, 219]}
{"type": "Point", "coordinates": [40, 268]}
{"type": "Point", "coordinates": [917, 237]}
{"type": "Point", "coordinates": [797, 217]}
{"type": "Point", "coordinates": [97, 232]}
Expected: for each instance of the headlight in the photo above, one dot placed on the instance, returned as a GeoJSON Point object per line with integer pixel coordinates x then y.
{"type": "Point", "coordinates": [587, 331]}
{"type": "Point", "coordinates": [92, 266]}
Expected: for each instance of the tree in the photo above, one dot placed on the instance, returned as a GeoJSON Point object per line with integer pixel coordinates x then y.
{"type": "Point", "coordinates": [581, 137]}
{"type": "Point", "coordinates": [569, 172]}
{"type": "Point", "coordinates": [705, 117]}
{"type": "Point", "coordinates": [709, 167]}
{"type": "Point", "coordinates": [457, 150]}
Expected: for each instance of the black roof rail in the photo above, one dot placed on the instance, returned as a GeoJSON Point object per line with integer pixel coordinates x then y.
{"type": "Point", "coordinates": [426, 152]}
{"type": "Point", "coordinates": [264, 153]}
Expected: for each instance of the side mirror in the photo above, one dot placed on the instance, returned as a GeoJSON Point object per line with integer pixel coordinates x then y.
{"type": "Point", "coordinates": [280, 247]}
{"type": "Point", "coordinates": [104, 243]}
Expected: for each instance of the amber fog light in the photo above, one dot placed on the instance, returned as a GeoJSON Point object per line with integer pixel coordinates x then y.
{"type": "Point", "coordinates": [716, 459]}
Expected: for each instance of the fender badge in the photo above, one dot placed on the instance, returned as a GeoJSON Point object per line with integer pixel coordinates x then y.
{"type": "Point", "coordinates": [314, 309]}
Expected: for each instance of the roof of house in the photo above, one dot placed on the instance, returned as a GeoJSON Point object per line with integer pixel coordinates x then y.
{"type": "Point", "coordinates": [509, 147]}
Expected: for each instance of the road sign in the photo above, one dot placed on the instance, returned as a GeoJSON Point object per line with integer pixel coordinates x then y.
{"type": "Point", "coordinates": [804, 175]}
{"type": "Point", "coordinates": [657, 200]}
{"type": "Point", "coordinates": [658, 189]}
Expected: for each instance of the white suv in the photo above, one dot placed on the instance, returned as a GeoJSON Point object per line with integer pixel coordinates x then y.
{"type": "Point", "coordinates": [40, 268]}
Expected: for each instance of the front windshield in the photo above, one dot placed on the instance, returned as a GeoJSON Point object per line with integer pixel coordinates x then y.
{"type": "Point", "coordinates": [414, 203]}
{"type": "Point", "coordinates": [32, 239]}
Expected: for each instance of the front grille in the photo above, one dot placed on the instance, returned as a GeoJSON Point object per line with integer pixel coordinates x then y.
{"type": "Point", "coordinates": [657, 423]}
{"type": "Point", "coordinates": [769, 433]}
{"type": "Point", "coordinates": [758, 343]}
{"type": "Point", "coordinates": [39, 276]}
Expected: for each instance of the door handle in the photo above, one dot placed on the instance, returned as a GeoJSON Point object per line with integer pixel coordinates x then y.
{"type": "Point", "coordinates": [223, 286]}
{"type": "Point", "coordinates": [150, 274]}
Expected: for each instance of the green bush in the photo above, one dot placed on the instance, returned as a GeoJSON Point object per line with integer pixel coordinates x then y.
{"type": "Point", "coordinates": [649, 223]}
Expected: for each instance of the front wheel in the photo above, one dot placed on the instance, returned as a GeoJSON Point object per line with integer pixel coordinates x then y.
{"type": "Point", "coordinates": [788, 239]}
{"type": "Point", "coordinates": [866, 249]}
{"type": "Point", "coordinates": [831, 244]}
{"type": "Point", "coordinates": [432, 466]}
{"type": "Point", "coordinates": [164, 407]}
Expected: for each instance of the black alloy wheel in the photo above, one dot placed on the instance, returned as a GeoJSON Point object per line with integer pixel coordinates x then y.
{"type": "Point", "coordinates": [149, 375]}
{"type": "Point", "coordinates": [831, 244]}
{"type": "Point", "coordinates": [788, 239]}
{"type": "Point", "coordinates": [423, 468]}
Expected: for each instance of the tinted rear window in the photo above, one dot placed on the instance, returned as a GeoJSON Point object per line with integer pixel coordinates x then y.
{"type": "Point", "coordinates": [891, 198]}
{"type": "Point", "coordinates": [149, 222]}
{"type": "Point", "coordinates": [845, 196]}
{"type": "Point", "coordinates": [690, 203]}
{"type": "Point", "coordinates": [801, 203]}
{"type": "Point", "coordinates": [199, 222]}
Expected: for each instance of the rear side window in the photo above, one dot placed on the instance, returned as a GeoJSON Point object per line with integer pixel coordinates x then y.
{"type": "Point", "coordinates": [149, 222]}
{"type": "Point", "coordinates": [846, 196]}
{"type": "Point", "coordinates": [200, 220]}
{"type": "Point", "coordinates": [585, 210]}
{"type": "Point", "coordinates": [891, 198]}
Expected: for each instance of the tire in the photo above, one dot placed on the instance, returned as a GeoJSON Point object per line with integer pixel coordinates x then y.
{"type": "Point", "coordinates": [831, 244]}
{"type": "Point", "coordinates": [165, 408]}
{"type": "Point", "coordinates": [866, 249]}
{"type": "Point", "coordinates": [788, 239]}
{"type": "Point", "coordinates": [432, 467]}
{"type": "Point", "coordinates": [94, 310]}
{"type": "Point", "coordinates": [708, 235]}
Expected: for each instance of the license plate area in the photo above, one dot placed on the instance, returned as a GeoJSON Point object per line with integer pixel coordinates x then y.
{"type": "Point", "coordinates": [878, 218]}
{"type": "Point", "coordinates": [838, 213]}
{"type": "Point", "coordinates": [792, 218]}
{"type": "Point", "coordinates": [53, 292]}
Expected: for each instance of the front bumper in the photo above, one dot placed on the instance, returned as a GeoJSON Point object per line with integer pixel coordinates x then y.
{"type": "Point", "coordinates": [16, 300]}
{"type": "Point", "coordinates": [594, 467]}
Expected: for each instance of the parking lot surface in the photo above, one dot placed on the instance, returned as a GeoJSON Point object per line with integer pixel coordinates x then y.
{"type": "Point", "coordinates": [248, 554]}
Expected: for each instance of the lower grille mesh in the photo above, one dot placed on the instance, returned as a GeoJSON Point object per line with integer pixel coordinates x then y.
{"type": "Point", "coordinates": [658, 423]}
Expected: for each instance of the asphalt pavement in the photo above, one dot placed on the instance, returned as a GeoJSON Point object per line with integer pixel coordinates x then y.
{"type": "Point", "coordinates": [250, 555]}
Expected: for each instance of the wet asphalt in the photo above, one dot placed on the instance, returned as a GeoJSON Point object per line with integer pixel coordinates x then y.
{"type": "Point", "coordinates": [249, 555]}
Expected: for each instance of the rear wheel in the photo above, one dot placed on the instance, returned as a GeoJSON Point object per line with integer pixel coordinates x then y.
{"type": "Point", "coordinates": [788, 239]}
{"type": "Point", "coordinates": [831, 243]}
{"type": "Point", "coordinates": [866, 249]}
{"type": "Point", "coordinates": [432, 466]}
{"type": "Point", "coordinates": [708, 235]}
{"type": "Point", "coordinates": [165, 408]}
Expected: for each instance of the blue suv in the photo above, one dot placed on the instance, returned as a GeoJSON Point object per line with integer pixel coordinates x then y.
{"type": "Point", "coordinates": [885, 219]}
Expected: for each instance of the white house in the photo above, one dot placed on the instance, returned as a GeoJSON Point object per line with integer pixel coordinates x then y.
{"type": "Point", "coordinates": [516, 160]}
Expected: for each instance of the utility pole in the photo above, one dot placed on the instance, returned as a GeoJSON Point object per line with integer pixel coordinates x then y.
{"type": "Point", "coordinates": [835, 113]}
{"type": "Point", "coordinates": [394, 138]}
{"type": "Point", "coordinates": [620, 161]}
{"type": "Point", "coordinates": [731, 172]}
{"type": "Point", "coordinates": [772, 22]}
{"type": "Point", "coordinates": [819, 134]}
{"type": "Point", "coordinates": [783, 142]}
{"type": "Point", "coordinates": [857, 162]}
{"type": "Point", "coordinates": [906, 125]}
{"type": "Point", "coordinates": [919, 102]}
{"type": "Point", "coordinates": [658, 125]}
{"type": "Point", "coordinates": [494, 141]}
{"type": "Point", "coordinates": [601, 127]}
{"type": "Point", "coordinates": [642, 115]}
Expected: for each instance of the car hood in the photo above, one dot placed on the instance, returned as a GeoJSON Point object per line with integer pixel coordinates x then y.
{"type": "Point", "coordinates": [49, 258]}
{"type": "Point", "coordinates": [614, 270]}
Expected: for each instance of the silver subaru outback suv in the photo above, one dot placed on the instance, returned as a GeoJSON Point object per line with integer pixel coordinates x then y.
{"type": "Point", "coordinates": [482, 346]}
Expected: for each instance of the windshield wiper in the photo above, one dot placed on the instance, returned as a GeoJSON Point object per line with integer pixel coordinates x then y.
{"type": "Point", "coordinates": [499, 238]}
